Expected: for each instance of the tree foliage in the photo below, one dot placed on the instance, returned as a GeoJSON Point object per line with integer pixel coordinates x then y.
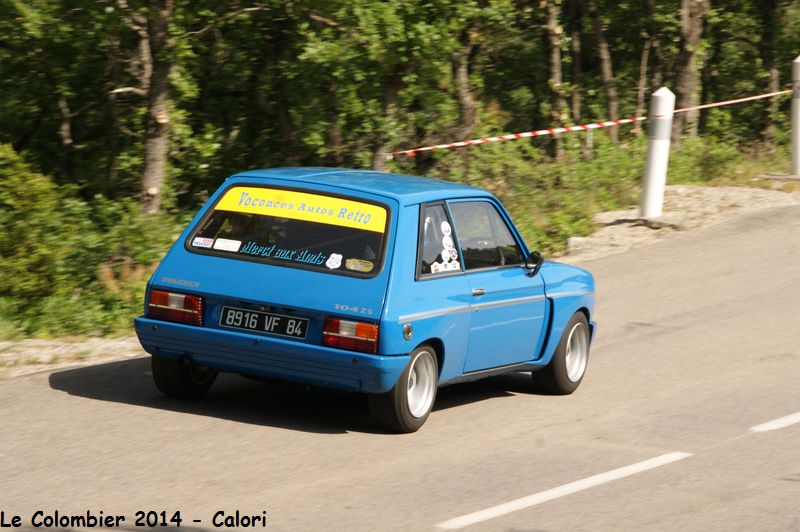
{"type": "Point", "coordinates": [340, 83]}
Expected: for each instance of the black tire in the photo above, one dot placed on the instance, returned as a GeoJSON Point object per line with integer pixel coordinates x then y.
{"type": "Point", "coordinates": [562, 376]}
{"type": "Point", "coordinates": [181, 377]}
{"type": "Point", "coordinates": [393, 409]}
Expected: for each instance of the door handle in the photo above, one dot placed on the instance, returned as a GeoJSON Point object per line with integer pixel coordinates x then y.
{"type": "Point", "coordinates": [478, 291]}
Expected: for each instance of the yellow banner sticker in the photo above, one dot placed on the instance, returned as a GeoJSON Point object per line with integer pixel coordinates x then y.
{"type": "Point", "coordinates": [304, 206]}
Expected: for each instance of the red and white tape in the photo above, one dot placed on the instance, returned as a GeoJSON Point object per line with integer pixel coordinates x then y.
{"type": "Point", "coordinates": [511, 136]}
{"type": "Point", "coordinates": [731, 102]}
{"type": "Point", "coordinates": [569, 129]}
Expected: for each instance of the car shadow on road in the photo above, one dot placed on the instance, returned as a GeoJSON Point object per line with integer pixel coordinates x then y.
{"type": "Point", "coordinates": [473, 392]}
{"type": "Point", "coordinates": [268, 403]}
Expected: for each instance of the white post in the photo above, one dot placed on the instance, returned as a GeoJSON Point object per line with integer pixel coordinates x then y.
{"type": "Point", "coordinates": [796, 116]}
{"type": "Point", "coordinates": [659, 130]}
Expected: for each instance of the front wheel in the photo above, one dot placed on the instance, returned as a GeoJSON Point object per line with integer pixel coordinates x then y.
{"type": "Point", "coordinates": [406, 406]}
{"type": "Point", "coordinates": [181, 377]}
{"type": "Point", "coordinates": [564, 373]}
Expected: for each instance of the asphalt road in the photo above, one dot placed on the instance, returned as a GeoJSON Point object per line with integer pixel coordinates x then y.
{"type": "Point", "coordinates": [698, 343]}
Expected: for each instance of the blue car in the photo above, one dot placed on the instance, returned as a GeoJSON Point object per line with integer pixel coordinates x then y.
{"type": "Point", "coordinates": [389, 285]}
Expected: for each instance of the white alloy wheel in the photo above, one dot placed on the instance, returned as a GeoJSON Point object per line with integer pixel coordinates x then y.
{"type": "Point", "coordinates": [577, 352]}
{"type": "Point", "coordinates": [406, 407]}
{"type": "Point", "coordinates": [565, 371]}
{"type": "Point", "coordinates": [421, 387]}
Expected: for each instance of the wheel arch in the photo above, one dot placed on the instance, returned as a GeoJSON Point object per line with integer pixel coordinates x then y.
{"type": "Point", "coordinates": [438, 349]}
{"type": "Point", "coordinates": [563, 309]}
{"type": "Point", "coordinates": [587, 314]}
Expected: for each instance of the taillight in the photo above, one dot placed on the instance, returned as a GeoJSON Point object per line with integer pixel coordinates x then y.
{"type": "Point", "coordinates": [350, 335]}
{"type": "Point", "coordinates": [170, 306]}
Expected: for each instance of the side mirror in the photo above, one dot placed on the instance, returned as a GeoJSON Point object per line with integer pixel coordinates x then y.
{"type": "Point", "coordinates": [534, 263]}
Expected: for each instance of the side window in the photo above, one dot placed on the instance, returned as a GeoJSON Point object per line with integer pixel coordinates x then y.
{"type": "Point", "coordinates": [485, 238]}
{"type": "Point", "coordinates": [437, 252]}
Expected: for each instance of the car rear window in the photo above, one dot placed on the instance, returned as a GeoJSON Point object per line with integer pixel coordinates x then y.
{"type": "Point", "coordinates": [295, 229]}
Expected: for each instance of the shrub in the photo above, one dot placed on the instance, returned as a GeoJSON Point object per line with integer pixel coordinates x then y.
{"type": "Point", "coordinates": [70, 266]}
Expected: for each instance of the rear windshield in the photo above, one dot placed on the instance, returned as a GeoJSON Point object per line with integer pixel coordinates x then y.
{"type": "Point", "coordinates": [295, 229]}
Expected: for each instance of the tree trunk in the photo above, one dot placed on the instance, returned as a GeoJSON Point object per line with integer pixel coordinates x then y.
{"type": "Point", "coordinates": [65, 115]}
{"type": "Point", "coordinates": [641, 87]}
{"type": "Point", "coordinates": [467, 105]}
{"type": "Point", "coordinates": [251, 125]}
{"type": "Point", "coordinates": [769, 22]}
{"type": "Point", "coordinates": [466, 101]}
{"type": "Point", "coordinates": [575, 31]}
{"type": "Point", "coordinates": [282, 87]}
{"type": "Point", "coordinates": [656, 62]}
{"type": "Point", "coordinates": [112, 115]}
{"type": "Point", "coordinates": [709, 73]}
{"type": "Point", "coordinates": [606, 70]}
{"type": "Point", "coordinates": [644, 62]}
{"type": "Point", "coordinates": [686, 82]}
{"type": "Point", "coordinates": [157, 119]}
{"type": "Point", "coordinates": [391, 104]}
{"type": "Point", "coordinates": [553, 37]}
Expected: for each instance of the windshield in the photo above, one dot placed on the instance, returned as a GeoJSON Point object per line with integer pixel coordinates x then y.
{"type": "Point", "coordinates": [295, 229]}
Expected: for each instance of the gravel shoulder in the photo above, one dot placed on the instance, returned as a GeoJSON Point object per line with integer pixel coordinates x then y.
{"type": "Point", "coordinates": [686, 208]}
{"type": "Point", "coordinates": [32, 356]}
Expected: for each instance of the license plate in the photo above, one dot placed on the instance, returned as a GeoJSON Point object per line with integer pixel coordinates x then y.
{"type": "Point", "coordinates": [268, 322]}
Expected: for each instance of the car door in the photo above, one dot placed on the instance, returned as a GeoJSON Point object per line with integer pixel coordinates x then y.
{"type": "Point", "coordinates": [508, 306]}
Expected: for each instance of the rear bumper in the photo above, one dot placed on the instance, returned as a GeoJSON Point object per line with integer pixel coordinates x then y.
{"type": "Point", "coordinates": [271, 357]}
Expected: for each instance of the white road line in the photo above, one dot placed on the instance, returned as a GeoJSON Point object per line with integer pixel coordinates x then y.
{"type": "Point", "coordinates": [560, 491]}
{"type": "Point", "coordinates": [776, 424]}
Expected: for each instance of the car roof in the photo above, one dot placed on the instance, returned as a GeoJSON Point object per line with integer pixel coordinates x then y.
{"type": "Point", "coordinates": [406, 189]}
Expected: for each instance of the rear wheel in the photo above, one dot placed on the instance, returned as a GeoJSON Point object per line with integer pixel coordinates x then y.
{"type": "Point", "coordinates": [564, 373]}
{"type": "Point", "coordinates": [406, 406]}
{"type": "Point", "coordinates": [181, 377]}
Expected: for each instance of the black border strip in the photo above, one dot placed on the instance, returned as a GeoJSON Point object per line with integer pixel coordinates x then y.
{"type": "Point", "coordinates": [222, 313]}
{"type": "Point", "coordinates": [298, 266]}
{"type": "Point", "coordinates": [418, 275]}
